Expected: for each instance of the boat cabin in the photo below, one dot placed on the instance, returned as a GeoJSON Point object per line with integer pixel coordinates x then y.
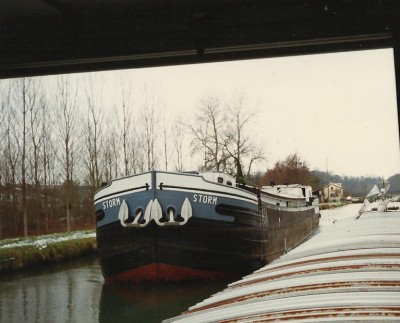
{"type": "Point", "coordinates": [294, 195]}
{"type": "Point", "coordinates": [220, 178]}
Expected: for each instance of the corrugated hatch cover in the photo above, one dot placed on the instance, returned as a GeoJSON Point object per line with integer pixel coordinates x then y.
{"type": "Point", "coordinates": [348, 271]}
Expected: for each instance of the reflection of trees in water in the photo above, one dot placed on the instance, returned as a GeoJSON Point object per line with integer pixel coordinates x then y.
{"type": "Point", "coordinates": [53, 294]}
{"type": "Point", "coordinates": [152, 302]}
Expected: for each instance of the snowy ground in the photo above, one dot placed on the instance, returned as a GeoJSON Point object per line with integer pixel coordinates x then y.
{"type": "Point", "coordinates": [330, 217]}
{"type": "Point", "coordinates": [42, 241]}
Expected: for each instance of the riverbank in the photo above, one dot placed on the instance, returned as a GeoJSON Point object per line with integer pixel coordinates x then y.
{"type": "Point", "coordinates": [327, 206]}
{"type": "Point", "coordinates": [20, 253]}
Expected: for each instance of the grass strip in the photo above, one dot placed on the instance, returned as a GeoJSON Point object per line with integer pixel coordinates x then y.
{"type": "Point", "coordinates": [32, 255]}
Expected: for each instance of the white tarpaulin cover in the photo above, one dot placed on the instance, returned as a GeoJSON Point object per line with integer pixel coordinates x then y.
{"type": "Point", "coordinates": [348, 271]}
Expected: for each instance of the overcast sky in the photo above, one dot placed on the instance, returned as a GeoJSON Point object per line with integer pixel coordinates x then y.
{"type": "Point", "coordinates": [336, 111]}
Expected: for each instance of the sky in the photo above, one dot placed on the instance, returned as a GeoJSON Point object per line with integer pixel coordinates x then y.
{"type": "Point", "coordinates": [337, 111]}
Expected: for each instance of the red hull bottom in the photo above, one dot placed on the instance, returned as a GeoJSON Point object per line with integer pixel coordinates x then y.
{"type": "Point", "coordinates": [163, 273]}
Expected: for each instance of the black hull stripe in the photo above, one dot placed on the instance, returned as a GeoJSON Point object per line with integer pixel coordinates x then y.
{"type": "Point", "coordinates": [121, 192]}
{"type": "Point", "coordinates": [208, 191]}
{"type": "Point", "coordinates": [231, 210]}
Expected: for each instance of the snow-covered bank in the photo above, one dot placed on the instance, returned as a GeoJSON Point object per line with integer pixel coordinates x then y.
{"type": "Point", "coordinates": [19, 253]}
{"type": "Point", "coordinates": [43, 241]}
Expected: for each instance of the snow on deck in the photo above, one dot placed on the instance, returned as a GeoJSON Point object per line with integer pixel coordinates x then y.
{"type": "Point", "coordinates": [349, 270]}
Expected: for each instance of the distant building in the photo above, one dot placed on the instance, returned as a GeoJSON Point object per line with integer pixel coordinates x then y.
{"type": "Point", "coordinates": [333, 192]}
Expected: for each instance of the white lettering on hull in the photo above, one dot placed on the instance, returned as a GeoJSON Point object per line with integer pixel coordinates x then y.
{"type": "Point", "coordinates": [111, 203]}
{"type": "Point", "coordinates": [205, 199]}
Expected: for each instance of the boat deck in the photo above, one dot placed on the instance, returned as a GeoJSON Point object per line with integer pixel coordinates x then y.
{"type": "Point", "coordinates": [348, 271]}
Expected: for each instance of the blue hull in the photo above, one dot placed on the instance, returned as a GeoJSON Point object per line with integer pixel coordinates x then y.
{"type": "Point", "coordinates": [160, 226]}
{"type": "Point", "coordinates": [205, 231]}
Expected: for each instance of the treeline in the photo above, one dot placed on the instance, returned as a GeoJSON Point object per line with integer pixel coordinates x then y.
{"type": "Point", "coordinates": [292, 170]}
{"type": "Point", "coordinates": [61, 137]}
{"type": "Point", "coordinates": [360, 186]}
{"type": "Point", "coordinates": [295, 170]}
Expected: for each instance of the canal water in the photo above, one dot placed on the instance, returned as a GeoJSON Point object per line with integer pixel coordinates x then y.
{"type": "Point", "coordinates": [76, 292]}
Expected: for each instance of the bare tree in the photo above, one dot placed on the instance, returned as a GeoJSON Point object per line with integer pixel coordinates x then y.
{"type": "Point", "coordinates": [92, 133]}
{"type": "Point", "coordinates": [237, 142]}
{"type": "Point", "coordinates": [207, 133]}
{"type": "Point", "coordinates": [47, 157]}
{"type": "Point", "coordinates": [35, 100]}
{"type": "Point", "coordinates": [3, 107]}
{"type": "Point", "coordinates": [24, 98]}
{"type": "Point", "coordinates": [150, 123]}
{"type": "Point", "coordinates": [11, 151]}
{"type": "Point", "coordinates": [67, 109]}
{"type": "Point", "coordinates": [168, 128]}
{"type": "Point", "coordinates": [127, 132]}
{"type": "Point", "coordinates": [11, 154]}
{"type": "Point", "coordinates": [110, 157]}
{"type": "Point", "coordinates": [35, 104]}
{"type": "Point", "coordinates": [177, 139]}
{"type": "Point", "coordinates": [3, 113]}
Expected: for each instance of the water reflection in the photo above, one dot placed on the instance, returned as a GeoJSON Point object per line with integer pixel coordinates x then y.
{"type": "Point", "coordinates": [152, 303]}
{"type": "Point", "coordinates": [76, 293]}
{"type": "Point", "coordinates": [70, 293]}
